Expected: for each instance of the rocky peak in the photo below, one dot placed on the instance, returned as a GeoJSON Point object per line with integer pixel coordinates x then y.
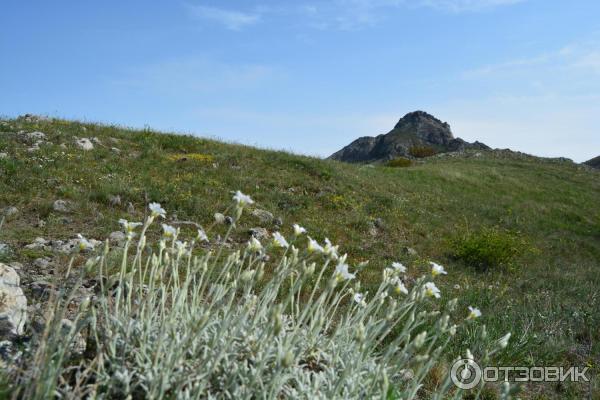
{"type": "Point", "coordinates": [594, 162]}
{"type": "Point", "coordinates": [416, 129]}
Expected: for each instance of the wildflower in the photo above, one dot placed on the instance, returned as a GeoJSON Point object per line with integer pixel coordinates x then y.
{"type": "Point", "coordinates": [503, 342]}
{"type": "Point", "coordinates": [359, 298]}
{"type": "Point", "coordinates": [298, 230]}
{"type": "Point", "coordinates": [129, 226]}
{"type": "Point", "coordinates": [342, 273]}
{"type": "Point", "coordinates": [279, 240]}
{"type": "Point", "coordinates": [202, 236]}
{"type": "Point", "coordinates": [84, 244]}
{"type": "Point", "coordinates": [437, 269]}
{"type": "Point", "coordinates": [474, 312]}
{"type": "Point", "coordinates": [247, 275]}
{"type": "Point", "coordinates": [242, 199]}
{"type": "Point", "coordinates": [330, 250]}
{"type": "Point", "coordinates": [399, 267]}
{"type": "Point", "coordinates": [157, 210]}
{"type": "Point", "coordinates": [431, 290]}
{"type": "Point", "coordinates": [314, 246]}
{"type": "Point", "coordinates": [169, 231]}
{"type": "Point", "coordinates": [420, 339]}
{"type": "Point", "coordinates": [254, 245]}
{"type": "Point", "coordinates": [452, 330]}
{"type": "Point", "coordinates": [469, 355]}
{"type": "Point", "coordinates": [399, 286]}
{"type": "Point", "coordinates": [181, 247]}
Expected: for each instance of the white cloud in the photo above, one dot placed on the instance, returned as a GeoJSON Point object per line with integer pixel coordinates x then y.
{"type": "Point", "coordinates": [230, 19]}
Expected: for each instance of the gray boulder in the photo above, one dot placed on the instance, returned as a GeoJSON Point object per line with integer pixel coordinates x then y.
{"type": "Point", "coordinates": [264, 216]}
{"type": "Point", "coordinates": [84, 144]}
{"type": "Point", "coordinates": [62, 206]}
{"type": "Point", "coordinates": [13, 307]}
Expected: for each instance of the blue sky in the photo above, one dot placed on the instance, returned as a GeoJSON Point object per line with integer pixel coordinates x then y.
{"type": "Point", "coordinates": [311, 76]}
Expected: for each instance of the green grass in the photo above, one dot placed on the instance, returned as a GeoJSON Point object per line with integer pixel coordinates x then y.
{"type": "Point", "coordinates": [549, 300]}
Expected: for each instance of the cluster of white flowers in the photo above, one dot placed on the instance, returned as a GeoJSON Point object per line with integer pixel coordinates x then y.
{"type": "Point", "coordinates": [239, 332]}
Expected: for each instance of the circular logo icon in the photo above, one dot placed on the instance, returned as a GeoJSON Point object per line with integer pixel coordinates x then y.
{"type": "Point", "coordinates": [465, 374]}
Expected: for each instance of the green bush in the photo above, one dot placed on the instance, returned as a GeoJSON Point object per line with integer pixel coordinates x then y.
{"type": "Point", "coordinates": [422, 151]}
{"type": "Point", "coordinates": [489, 248]}
{"type": "Point", "coordinates": [399, 162]}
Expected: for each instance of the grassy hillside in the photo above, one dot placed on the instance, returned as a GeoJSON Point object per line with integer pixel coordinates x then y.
{"type": "Point", "coordinates": [547, 297]}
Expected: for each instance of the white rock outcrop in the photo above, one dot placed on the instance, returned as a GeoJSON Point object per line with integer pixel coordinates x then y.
{"type": "Point", "coordinates": [13, 303]}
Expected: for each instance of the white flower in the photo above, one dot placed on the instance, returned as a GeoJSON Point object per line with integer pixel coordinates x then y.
{"type": "Point", "coordinates": [474, 312]}
{"type": "Point", "coordinates": [242, 199]}
{"type": "Point", "coordinates": [469, 355]}
{"type": "Point", "coordinates": [314, 246]}
{"type": "Point", "coordinates": [181, 246]}
{"type": "Point", "coordinates": [399, 267]}
{"type": "Point", "coordinates": [420, 339]}
{"type": "Point", "coordinates": [399, 286]}
{"type": "Point", "coordinates": [431, 290]}
{"type": "Point", "coordinates": [279, 240]}
{"type": "Point", "coordinates": [359, 298]}
{"type": "Point", "coordinates": [452, 330]}
{"type": "Point", "coordinates": [84, 244]}
{"type": "Point", "coordinates": [202, 236]}
{"type": "Point", "coordinates": [437, 269]}
{"type": "Point", "coordinates": [330, 250]}
{"type": "Point", "coordinates": [157, 210]}
{"type": "Point", "coordinates": [129, 226]}
{"type": "Point", "coordinates": [342, 273]}
{"type": "Point", "coordinates": [298, 230]}
{"type": "Point", "coordinates": [503, 342]}
{"type": "Point", "coordinates": [254, 245]}
{"type": "Point", "coordinates": [168, 230]}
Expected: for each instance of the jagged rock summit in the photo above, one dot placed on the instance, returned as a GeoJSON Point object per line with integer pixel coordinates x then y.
{"type": "Point", "coordinates": [594, 162]}
{"type": "Point", "coordinates": [415, 131]}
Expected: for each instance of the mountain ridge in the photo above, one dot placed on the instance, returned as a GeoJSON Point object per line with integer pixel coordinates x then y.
{"type": "Point", "coordinates": [417, 129]}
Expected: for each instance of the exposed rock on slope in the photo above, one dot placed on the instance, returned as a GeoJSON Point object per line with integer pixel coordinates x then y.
{"type": "Point", "coordinates": [417, 129]}
{"type": "Point", "coordinates": [594, 162]}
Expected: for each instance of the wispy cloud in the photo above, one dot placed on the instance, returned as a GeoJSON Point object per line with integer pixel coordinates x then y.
{"type": "Point", "coordinates": [354, 14]}
{"type": "Point", "coordinates": [459, 6]}
{"type": "Point", "coordinates": [230, 19]}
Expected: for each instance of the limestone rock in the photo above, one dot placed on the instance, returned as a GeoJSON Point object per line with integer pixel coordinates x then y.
{"type": "Point", "coordinates": [259, 233]}
{"type": "Point", "coordinates": [264, 216]}
{"type": "Point", "coordinates": [84, 144]}
{"type": "Point", "coordinates": [62, 206]}
{"type": "Point", "coordinates": [10, 211]}
{"type": "Point", "coordinates": [117, 237]}
{"type": "Point", "coordinates": [13, 304]}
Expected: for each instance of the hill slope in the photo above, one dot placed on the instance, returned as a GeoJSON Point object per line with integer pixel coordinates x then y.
{"type": "Point", "coordinates": [383, 214]}
{"type": "Point", "coordinates": [416, 130]}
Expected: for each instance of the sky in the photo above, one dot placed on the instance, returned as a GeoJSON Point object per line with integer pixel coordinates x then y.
{"type": "Point", "coordinates": [310, 76]}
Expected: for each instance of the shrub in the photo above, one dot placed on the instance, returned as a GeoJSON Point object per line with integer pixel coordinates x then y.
{"type": "Point", "coordinates": [179, 321]}
{"type": "Point", "coordinates": [422, 151]}
{"type": "Point", "coordinates": [399, 162]}
{"type": "Point", "coordinates": [489, 248]}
